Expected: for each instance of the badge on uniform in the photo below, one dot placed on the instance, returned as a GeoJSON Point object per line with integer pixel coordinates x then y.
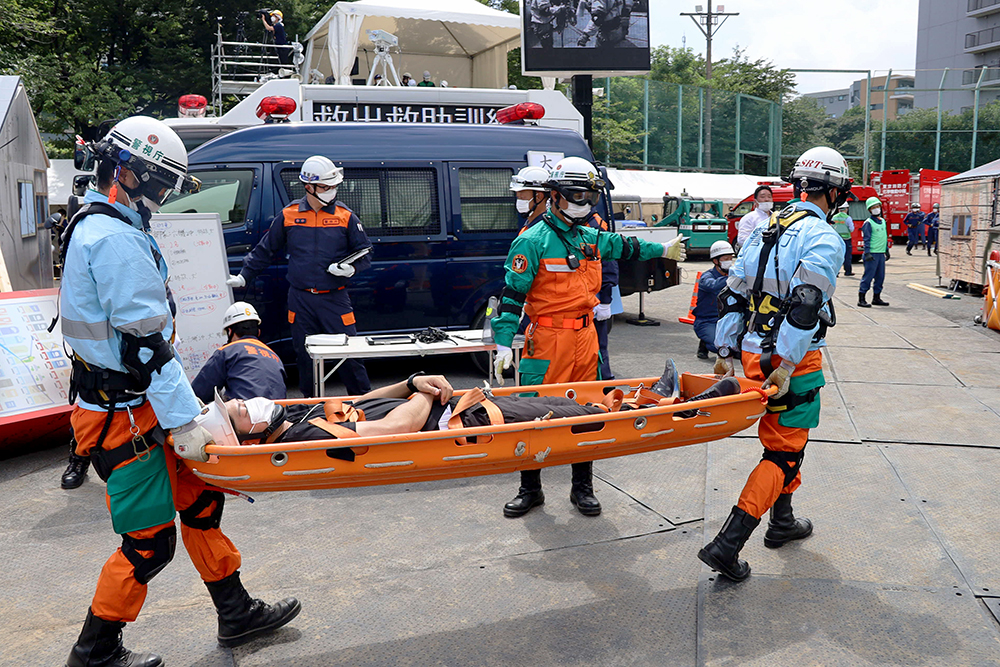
{"type": "Point", "coordinates": [519, 264]}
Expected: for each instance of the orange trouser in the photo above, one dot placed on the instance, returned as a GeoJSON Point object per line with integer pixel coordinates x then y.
{"type": "Point", "coordinates": [571, 353]}
{"type": "Point", "coordinates": [767, 481]}
{"type": "Point", "coordinates": [119, 595]}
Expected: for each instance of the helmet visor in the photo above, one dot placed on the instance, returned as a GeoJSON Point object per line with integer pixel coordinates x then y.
{"type": "Point", "coordinates": [578, 195]}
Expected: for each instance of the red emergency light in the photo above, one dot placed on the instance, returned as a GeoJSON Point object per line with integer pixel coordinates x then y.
{"type": "Point", "coordinates": [192, 106]}
{"type": "Point", "coordinates": [520, 112]}
{"type": "Point", "coordinates": [275, 108]}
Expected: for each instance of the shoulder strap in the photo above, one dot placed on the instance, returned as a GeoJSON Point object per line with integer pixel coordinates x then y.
{"type": "Point", "coordinates": [779, 221]}
{"type": "Point", "coordinates": [91, 208]}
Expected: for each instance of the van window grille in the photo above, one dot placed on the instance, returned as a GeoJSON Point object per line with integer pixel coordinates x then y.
{"type": "Point", "coordinates": [487, 203]}
{"type": "Point", "coordinates": [389, 202]}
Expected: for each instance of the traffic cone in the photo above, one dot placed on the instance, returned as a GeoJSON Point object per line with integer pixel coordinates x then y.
{"type": "Point", "coordinates": [694, 302]}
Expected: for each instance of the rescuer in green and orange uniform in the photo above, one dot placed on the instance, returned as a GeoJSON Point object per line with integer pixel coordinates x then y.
{"type": "Point", "coordinates": [554, 272]}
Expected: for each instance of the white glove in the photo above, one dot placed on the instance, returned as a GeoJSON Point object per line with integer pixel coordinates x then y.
{"type": "Point", "coordinates": [724, 366]}
{"type": "Point", "coordinates": [236, 281]}
{"type": "Point", "coordinates": [340, 270]}
{"type": "Point", "coordinates": [675, 249]}
{"type": "Point", "coordinates": [190, 441]}
{"type": "Point", "coordinates": [602, 311]}
{"type": "Point", "coordinates": [780, 377]}
{"type": "Point", "coordinates": [503, 361]}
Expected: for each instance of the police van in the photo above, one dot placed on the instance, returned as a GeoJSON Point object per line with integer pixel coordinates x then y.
{"type": "Point", "coordinates": [433, 199]}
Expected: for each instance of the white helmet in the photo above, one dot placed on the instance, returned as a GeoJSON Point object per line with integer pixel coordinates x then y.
{"type": "Point", "coordinates": [530, 178]}
{"type": "Point", "coordinates": [820, 169]}
{"type": "Point", "coordinates": [214, 418]}
{"type": "Point", "coordinates": [720, 248]}
{"type": "Point", "coordinates": [154, 153]}
{"type": "Point", "coordinates": [576, 172]}
{"type": "Point", "coordinates": [321, 170]}
{"type": "Point", "coordinates": [241, 311]}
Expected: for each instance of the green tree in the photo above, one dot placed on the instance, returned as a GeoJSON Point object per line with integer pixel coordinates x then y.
{"type": "Point", "coordinates": [803, 126]}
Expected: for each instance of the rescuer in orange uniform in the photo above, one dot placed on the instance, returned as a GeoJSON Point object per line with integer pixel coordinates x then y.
{"type": "Point", "coordinates": [554, 272]}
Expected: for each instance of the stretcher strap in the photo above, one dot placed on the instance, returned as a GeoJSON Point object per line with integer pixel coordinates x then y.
{"type": "Point", "coordinates": [335, 410]}
{"type": "Point", "coordinates": [646, 397]}
{"type": "Point", "coordinates": [336, 430]}
{"type": "Point", "coordinates": [613, 400]}
{"type": "Point", "coordinates": [763, 394]}
{"type": "Point", "coordinates": [471, 399]}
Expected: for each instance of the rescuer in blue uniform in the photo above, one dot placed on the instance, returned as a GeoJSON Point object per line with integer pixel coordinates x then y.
{"type": "Point", "coordinates": [318, 234]}
{"type": "Point", "coordinates": [706, 311]}
{"type": "Point", "coordinates": [244, 367]}
{"type": "Point", "coordinates": [914, 222]}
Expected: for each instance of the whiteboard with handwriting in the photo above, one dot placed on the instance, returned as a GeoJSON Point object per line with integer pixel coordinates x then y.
{"type": "Point", "coordinates": [195, 251]}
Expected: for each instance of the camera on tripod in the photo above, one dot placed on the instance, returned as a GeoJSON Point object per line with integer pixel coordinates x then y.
{"type": "Point", "coordinates": [265, 13]}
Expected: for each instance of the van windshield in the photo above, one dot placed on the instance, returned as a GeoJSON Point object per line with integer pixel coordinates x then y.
{"type": "Point", "coordinates": [223, 191]}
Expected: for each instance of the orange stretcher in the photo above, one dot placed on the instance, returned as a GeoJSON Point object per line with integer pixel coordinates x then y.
{"type": "Point", "coordinates": [504, 448]}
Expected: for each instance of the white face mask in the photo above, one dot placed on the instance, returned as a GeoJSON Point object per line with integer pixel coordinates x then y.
{"type": "Point", "coordinates": [326, 197]}
{"type": "Point", "coordinates": [578, 211]}
{"type": "Point", "coordinates": [877, 210]}
{"type": "Point", "coordinates": [765, 205]}
{"type": "Point", "coordinates": [725, 264]}
{"type": "Point", "coordinates": [523, 205]}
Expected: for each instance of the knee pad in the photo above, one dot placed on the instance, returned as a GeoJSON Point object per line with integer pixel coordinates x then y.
{"type": "Point", "coordinates": [789, 462]}
{"type": "Point", "coordinates": [162, 544]}
{"type": "Point", "coordinates": [190, 518]}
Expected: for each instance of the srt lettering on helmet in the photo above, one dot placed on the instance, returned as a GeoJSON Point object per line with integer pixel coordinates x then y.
{"type": "Point", "coordinates": [519, 264]}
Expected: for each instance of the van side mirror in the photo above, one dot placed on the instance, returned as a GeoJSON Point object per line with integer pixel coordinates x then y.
{"type": "Point", "coordinates": [83, 158]}
{"type": "Point", "coordinates": [80, 183]}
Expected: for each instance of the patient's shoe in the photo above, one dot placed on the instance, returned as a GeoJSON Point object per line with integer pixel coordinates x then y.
{"type": "Point", "coordinates": [668, 386]}
{"type": "Point", "coordinates": [724, 387]}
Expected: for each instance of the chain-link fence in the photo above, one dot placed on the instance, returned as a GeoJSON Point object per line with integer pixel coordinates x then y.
{"type": "Point", "coordinates": [640, 123]}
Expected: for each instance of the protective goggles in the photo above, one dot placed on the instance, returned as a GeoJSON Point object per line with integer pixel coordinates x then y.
{"type": "Point", "coordinates": [579, 195]}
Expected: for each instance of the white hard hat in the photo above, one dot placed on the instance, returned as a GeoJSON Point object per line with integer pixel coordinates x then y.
{"type": "Point", "coordinates": [444, 84]}
{"type": "Point", "coordinates": [214, 418]}
{"type": "Point", "coordinates": [320, 169]}
{"type": "Point", "coordinates": [576, 172]}
{"type": "Point", "coordinates": [427, 75]}
{"type": "Point", "coordinates": [154, 153]}
{"type": "Point", "coordinates": [241, 311]}
{"type": "Point", "coordinates": [530, 178]}
{"type": "Point", "coordinates": [720, 248]}
{"type": "Point", "coordinates": [820, 169]}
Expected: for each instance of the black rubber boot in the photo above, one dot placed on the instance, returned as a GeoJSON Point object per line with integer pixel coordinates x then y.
{"type": "Point", "coordinates": [724, 387]}
{"type": "Point", "coordinates": [702, 350]}
{"type": "Point", "coordinates": [862, 301]}
{"type": "Point", "coordinates": [722, 553]}
{"type": "Point", "coordinates": [783, 526]}
{"type": "Point", "coordinates": [668, 386]}
{"type": "Point", "coordinates": [877, 300]}
{"type": "Point", "coordinates": [528, 496]}
{"type": "Point", "coordinates": [100, 645]}
{"type": "Point", "coordinates": [241, 617]}
{"type": "Point", "coordinates": [582, 494]}
{"type": "Point", "coordinates": [76, 471]}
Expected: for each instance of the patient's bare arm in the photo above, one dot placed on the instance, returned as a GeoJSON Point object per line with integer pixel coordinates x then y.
{"type": "Point", "coordinates": [407, 418]}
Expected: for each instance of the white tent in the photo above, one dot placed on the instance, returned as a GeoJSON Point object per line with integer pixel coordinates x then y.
{"type": "Point", "coordinates": [461, 41]}
{"type": "Point", "coordinates": [652, 185]}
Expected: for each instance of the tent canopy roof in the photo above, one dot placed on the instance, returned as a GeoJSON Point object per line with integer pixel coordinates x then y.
{"type": "Point", "coordinates": [459, 27]}
{"type": "Point", "coordinates": [985, 171]}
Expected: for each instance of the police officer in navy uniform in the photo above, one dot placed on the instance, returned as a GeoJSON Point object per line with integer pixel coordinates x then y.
{"type": "Point", "coordinates": [244, 367]}
{"type": "Point", "coordinates": [318, 234]}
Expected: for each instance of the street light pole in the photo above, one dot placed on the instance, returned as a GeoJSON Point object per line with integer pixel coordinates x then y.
{"type": "Point", "coordinates": [706, 22]}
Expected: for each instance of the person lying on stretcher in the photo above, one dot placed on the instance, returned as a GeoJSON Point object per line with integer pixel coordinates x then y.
{"type": "Point", "coordinates": [421, 403]}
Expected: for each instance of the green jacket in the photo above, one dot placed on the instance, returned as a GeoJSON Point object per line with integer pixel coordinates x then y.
{"type": "Point", "coordinates": [538, 266]}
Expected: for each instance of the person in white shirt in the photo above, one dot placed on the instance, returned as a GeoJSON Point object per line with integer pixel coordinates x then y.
{"type": "Point", "coordinates": [762, 211]}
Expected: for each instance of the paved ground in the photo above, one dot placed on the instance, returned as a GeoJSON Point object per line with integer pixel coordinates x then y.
{"type": "Point", "coordinates": [899, 479]}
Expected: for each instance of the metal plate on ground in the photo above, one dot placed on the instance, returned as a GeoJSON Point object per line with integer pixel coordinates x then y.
{"type": "Point", "coordinates": [767, 621]}
{"type": "Point", "coordinates": [864, 335]}
{"type": "Point", "coordinates": [901, 317]}
{"type": "Point", "coordinates": [980, 369]}
{"type": "Point", "coordinates": [629, 602]}
{"type": "Point", "coordinates": [959, 339]}
{"type": "Point", "coordinates": [835, 424]}
{"type": "Point", "coordinates": [897, 366]}
{"type": "Point", "coordinates": [956, 490]}
{"type": "Point", "coordinates": [670, 482]}
{"type": "Point", "coordinates": [907, 413]}
{"type": "Point", "coordinates": [848, 314]}
{"type": "Point", "coordinates": [866, 529]}
{"type": "Point", "coordinates": [988, 397]}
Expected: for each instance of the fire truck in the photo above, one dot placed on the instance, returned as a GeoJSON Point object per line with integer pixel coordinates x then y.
{"type": "Point", "coordinates": [783, 194]}
{"type": "Point", "coordinates": [899, 189]}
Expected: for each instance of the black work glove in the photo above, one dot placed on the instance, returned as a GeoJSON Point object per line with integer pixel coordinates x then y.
{"type": "Point", "coordinates": [868, 257]}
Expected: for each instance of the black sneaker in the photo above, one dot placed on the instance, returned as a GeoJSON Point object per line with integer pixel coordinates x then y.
{"type": "Point", "coordinates": [668, 386]}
